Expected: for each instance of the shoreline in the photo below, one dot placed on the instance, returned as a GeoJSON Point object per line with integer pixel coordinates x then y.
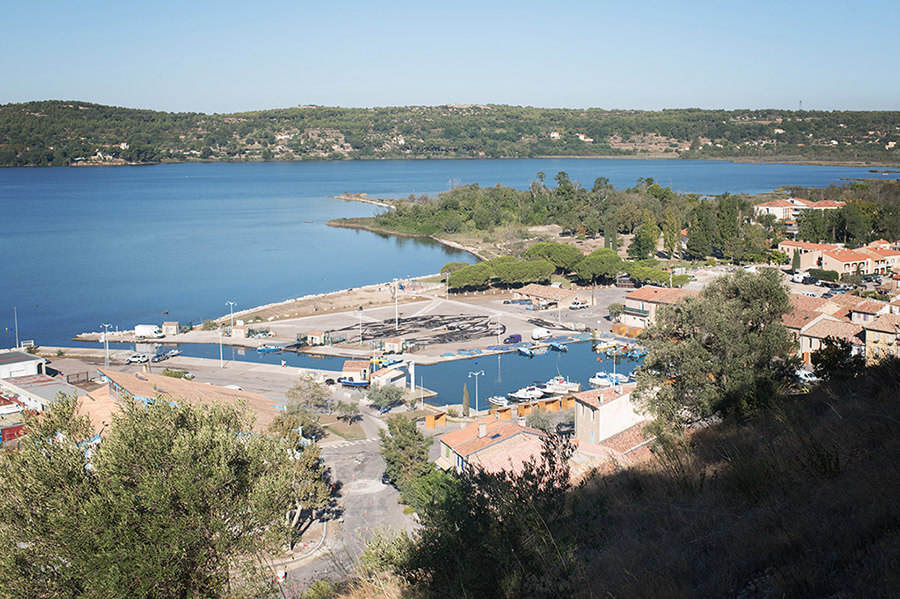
{"type": "Point", "coordinates": [341, 224]}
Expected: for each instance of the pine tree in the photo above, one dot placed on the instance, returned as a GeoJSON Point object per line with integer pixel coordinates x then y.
{"type": "Point", "coordinates": [795, 262]}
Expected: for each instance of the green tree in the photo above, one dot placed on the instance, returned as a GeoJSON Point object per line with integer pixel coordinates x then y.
{"type": "Point", "coordinates": [699, 241]}
{"type": "Point", "coordinates": [601, 263]}
{"type": "Point", "coordinates": [386, 397]}
{"type": "Point", "coordinates": [465, 401]}
{"type": "Point", "coordinates": [405, 453]}
{"type": "Point", "coordinates": [311, 394]}
{"type": "Point", "coordinates": [836, 360]}
{"type": "Point", "coordinates": [795, 262]}
{"type": "Point", "coordinates": [510, 524]}
{"type": "Point", "coordinates": [348, 411]}
{"type": "Point", "coordinates": [165, 506]}
{"type": "Point", "coordinates": [724, 352]}
{"type": "Point", "coordinates": [644, 243]}
{"type": "Point", "coordinates": [561, 255]}
{"type": "Point", "coordinates": [811, 226]}
{"type": "Point", "coordinates": [615, 311]}
{"type": "Point", "coordinates": [671, 233]}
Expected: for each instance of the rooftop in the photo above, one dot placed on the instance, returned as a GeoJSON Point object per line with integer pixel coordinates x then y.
{"type": "Point", "coordinates": [14, 357]}
{"type": "Point", "coordinates": [599, 397]}
{"type": "Point", "coordinates": [41, 385]}
{"type": "Point", "coordinates": [355, 365]}
{"type": "Point", "coordinates": [660, 295]}
{"type": "Point", "coordinates": [835, 328]}
{"type": "Point", "coordinates": [885, 323]}
{"type": "Point", "coordinates": [465, 441]}
{"type": "Point", "coordinates": [147, 385]}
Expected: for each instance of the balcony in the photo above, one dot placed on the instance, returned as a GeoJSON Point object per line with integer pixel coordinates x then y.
{"type": "Point", "coordinates": [637, 312]}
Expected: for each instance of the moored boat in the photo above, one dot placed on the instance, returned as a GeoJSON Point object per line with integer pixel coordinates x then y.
{"type": "Point", "coordinates": [600, 379]}
{"type": "Point", "coordinates": [526, 351]}
{"type": "Point", "coordinates": [556, 346]}
{"type": "Point", "coordinates": [268, 349]}
{"type": "Point", "coordinates": [526, 394]}
{"type": "Point", "coordinates": [352, 383]}
{"type": "Point", "coordinates": [498, 401]}
{"type": "Point", "coordinates": [560, 386]}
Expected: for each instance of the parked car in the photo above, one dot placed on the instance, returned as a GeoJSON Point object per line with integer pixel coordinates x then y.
{"type": "Point", "coordinates": [137, 359]}
{"type": "Point", "coordinates": [159, 357]}
{"type": "Point", "coordinates": [809, 280]}
{"type": "Point", "coordinates": [578, 305]}
{"type": "Point", "coordinates": [805, 376]}
{"type": "Point", "coordinates": [515, 338]}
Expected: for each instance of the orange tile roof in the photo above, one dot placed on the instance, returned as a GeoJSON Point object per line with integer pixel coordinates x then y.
{"type": "Point", "coordinates": [776, 204]}
{"type": "Point", "coordinates": [99, 407]}
{"type": "Point", "coordinates": [660, 295]}
{"type": "Point", "coordinates": [883, 253]}
{"type": "Point", "coordinates": [835, 328]}
{"type": "Point", "coordinates": [805, 303]}
{"type": "Point", "coordinates": [885, 323]}
{"type": "Point", "coordinates": [799, 318]}
{"type": "Point", "coordinates": [847, 255]}
{"type": "Point", "coordinates": [805, 245]}
{"type": "Point", "coordinates": [149, 385]}
{"type": "Point", "coordinates": [825, 204]}
{"type": "Point", "coordinates": [355, 365]}
{"type": "Point", "coordinates": [870, 307]}
{"type": "Point", "coordinates": [512, 454]}
{"type": "Point", "coordinates": [465, 441]}
{"type": "Point", "coordinates": [628, 440]}
{"type": "Point", "coordinates": [599, 397]}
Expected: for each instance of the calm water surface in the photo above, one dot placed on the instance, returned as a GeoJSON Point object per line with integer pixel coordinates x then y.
{"type": "Point", "coordinates": [79, 247]}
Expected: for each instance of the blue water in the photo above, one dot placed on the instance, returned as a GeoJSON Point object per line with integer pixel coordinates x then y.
{"type": "Point", "coordinates": [80, 247]}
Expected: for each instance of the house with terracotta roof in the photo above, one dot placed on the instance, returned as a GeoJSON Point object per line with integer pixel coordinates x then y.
{"type": "Point", "coordinates": [491, 445]}
{"type": "Point", "coordinates": [641, 304]}
{"type": "Point", "coordinates": [601, 414]}
{"type": "Point", "coordinates": [882, 338]}
{"type": "Point", "coordinates": [847, 262]}
{"type": "Point", "coordinates": [810, 253]}
{"type": "Point", "coordinates": [791, 208]}
{"type": "Point", "coordinates": [812, 337]}
{"type": "Point", "coordinates": [356, 370]}
{"type": "Point", "coordinates": [884, 260]}
{"type": "Point", "coordinates": [148, 387]}
{"type": "Point", "coordinates": [866, 311]}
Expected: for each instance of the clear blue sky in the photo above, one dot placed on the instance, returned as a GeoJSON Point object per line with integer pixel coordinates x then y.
{"type": "Point", "coordinates": [230, 56]}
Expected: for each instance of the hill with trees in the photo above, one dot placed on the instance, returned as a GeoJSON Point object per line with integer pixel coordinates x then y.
{"type": "Point", "coordinates": [57, 133]}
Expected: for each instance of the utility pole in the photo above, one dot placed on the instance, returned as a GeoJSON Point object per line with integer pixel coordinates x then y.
{"type": "Point", "coordinates": [221, 361]}
{"type": "Point", "coordinates": [16, 319]}
{"type": "Point", "coordinates": [360, 326]}
{"type": "Point", "coordinates": [106, 326]}
{"type": "Point", "coordinates": [396, 313]}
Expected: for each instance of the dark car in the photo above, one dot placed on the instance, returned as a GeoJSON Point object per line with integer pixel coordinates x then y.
{"type": "Point", "coordinates": [385, 479]}
{"type": "Point", "coordinates": [516, 338]}
{"type": "Point", "coordinates": [159, 358]}
{"type": "Point", "coordinates": [810, 280]}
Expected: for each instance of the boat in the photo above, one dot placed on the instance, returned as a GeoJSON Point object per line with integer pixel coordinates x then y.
{"type": "Point", "coordinates": [352, 383]}
{"type": "Point", "coordinates": [556, 346]}
{"type": "Point", "coordinates": [526, 351]}
{"type": "Point", "coordinates": [268, 349]}
{"type": "Point", "coordinates": [498, 402]}
{"type": "Point", "coordinates": [173, 352]}
{"type": "Point", "coordinates": [600, 379]}
{"type": "Point", "coordinates": [618, 378]}
{"type": "Point", "coordinates": [526, 394]}
{"type": "Point", "coordinates": [561, 386]}
{"type": "Point", "coordinates": [632, 376]}
{"type": "Point", "coordinates": [601, 348]}
{"type": "Point", "coordinates": [638, 352]}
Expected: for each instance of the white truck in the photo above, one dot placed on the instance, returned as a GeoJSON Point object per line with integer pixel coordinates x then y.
{"type": "Point", "coordinates": [144, 331]}
{"type": "Point", "coordinates": [540, 333]}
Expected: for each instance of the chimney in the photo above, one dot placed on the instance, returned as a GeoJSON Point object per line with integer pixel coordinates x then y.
{"type": "Point", "coordinates": [482, 429]}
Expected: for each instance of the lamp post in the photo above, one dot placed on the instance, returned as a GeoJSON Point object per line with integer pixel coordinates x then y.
{"type": "Point", "coordinates": [106, 326]}
{"type": "Point", "coordinates": [360, 325]}
{"type": "Point", "coordinates": [396, 312]}
{"type": "Point", "coordinates": [231, 306]}
{"type": "Point", "coordinates": [476, 375]}
{"type": "Point", "coordinates": [221, 361]}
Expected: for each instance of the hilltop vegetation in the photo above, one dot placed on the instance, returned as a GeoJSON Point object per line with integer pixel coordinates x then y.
{"type": "Point", "coordinates": [68, 132]}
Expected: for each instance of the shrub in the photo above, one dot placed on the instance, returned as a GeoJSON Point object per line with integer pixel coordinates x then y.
{"type": "Point", "coordinates": [824, 275]}
{"type": "Point", "coordinates": [209, 325]}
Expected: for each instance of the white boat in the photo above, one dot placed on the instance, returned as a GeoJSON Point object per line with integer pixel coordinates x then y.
{"type": "Point", "coordinates": [498, 402]}
{"type": "Point", "coordinates": [600, 379]}
{"type": "Point", "coordinates": [618, 378]}
{"type": "Point", "coordinates": [526, 394]}
{"type": "Point", "coordinates": [561, 386]}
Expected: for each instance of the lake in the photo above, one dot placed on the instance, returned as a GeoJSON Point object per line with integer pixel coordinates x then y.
{"type": "Point", "coordinates": [84, 246]}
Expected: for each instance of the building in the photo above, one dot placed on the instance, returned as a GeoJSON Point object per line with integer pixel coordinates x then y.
{"type": "Point", "coordinates": [316, 338]}
{"type": "Point", "coordinates": [882, 337]}
{"type": "Point", "coordinates": [148, 387]}
{"type": "Point", "coordinates": [791, 208]}
{"type": "Point", "coordinates": [542, 296]}
{"type": "Point", "coordinates": [491, 445]}
{"type": "Point", "coordinates": [641, 305]}
{"type": "Point", "coordinates": [17, 363]}
{"type": "Point", "coordinates": [810, 253]}
{"type": "Point", "coordinates": [12, 423]}
{"type": "Point", "coordinates": [884, 260]}
{"type": "Point", "coordinates": [393, 345]}
{"type": "Point", "coordinates": [601, 414]}
{"type": "Point", "coordinates": [356, 370]}
{"type": "Point", "coordinates": [813, 336]}
{"type": "Point", "coordinates": [866, 311]}
{"type": "Point", "coordinates": [239, 331]}
{"type": "Point", "coordinates": [170, 328]}
{"type": "Point", "coordinates": [388, 376]}
{"type": "Point", "coordinates": [847, 262]}
{"type": "Point", "coordinates": [36, 391]}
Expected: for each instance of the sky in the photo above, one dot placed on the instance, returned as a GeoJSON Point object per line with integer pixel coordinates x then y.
{"type": "Point", "coordinates": [225, 56]}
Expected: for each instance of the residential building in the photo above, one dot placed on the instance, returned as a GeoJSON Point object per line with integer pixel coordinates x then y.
{"type": "Point", "coordinates": [388, 376]}
{"type": "Point", "coordinates": [847, 262]}
{"type": "Point", "coordinates": [866, 311]}
{"type": "Point", "coordinates": [356, 370]}
{"type": "Point", "coordinates": [491, 445]}
{"type": "Point", "coordinates": [791, 208]}
{"type": "Point", "coordinates": [813, 336]}
{"type": "Point", "coordinates": [883, 260]}
{"type": "Point", "coordinates": [603, 413]}
{"type": "Point", "coordinates": [18, 363]}
{"type": "Point", "coordinates": [810, 253]}
{"type": "Point", "coordinates": [882, 337]}
{"type": "Point", "coordinates": [641, 305]}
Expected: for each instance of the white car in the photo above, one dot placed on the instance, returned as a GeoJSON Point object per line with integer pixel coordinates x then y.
{"type": "Point", "coordinates": [137, 359]}
{"type": "Point", "coordinates": [805, 376]}
{"type": "Point", "coordinates": [578, 305]}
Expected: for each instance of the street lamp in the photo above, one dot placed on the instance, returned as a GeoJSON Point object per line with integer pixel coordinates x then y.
{"type": "Point", "coordinates": [360, 325]}
{"type": "Point", "coordinates": [221, 361]}
{"type": "Point", "coordinates": [396, 313]}
{"type": "Point", "coordinates": [476, 375]}
{"type": "Point", "coordinates": [231, 306]}
{"type": "Point", "coordinates": [106, 326]}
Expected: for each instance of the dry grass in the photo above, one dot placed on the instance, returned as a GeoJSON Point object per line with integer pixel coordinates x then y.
{"type": "Point", "coordinates": [350, 432]}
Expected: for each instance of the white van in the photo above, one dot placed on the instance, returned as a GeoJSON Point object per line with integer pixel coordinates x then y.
{"type": "Point", "coordinates": [539, 333]}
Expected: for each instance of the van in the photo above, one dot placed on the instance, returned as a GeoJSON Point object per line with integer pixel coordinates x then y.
{"type": "Point", "coordinates": [539, 333]}
{"type": "Point", "coordinates": [798, 277]}
{"type": "Point", "coordinates": [516, 338]}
